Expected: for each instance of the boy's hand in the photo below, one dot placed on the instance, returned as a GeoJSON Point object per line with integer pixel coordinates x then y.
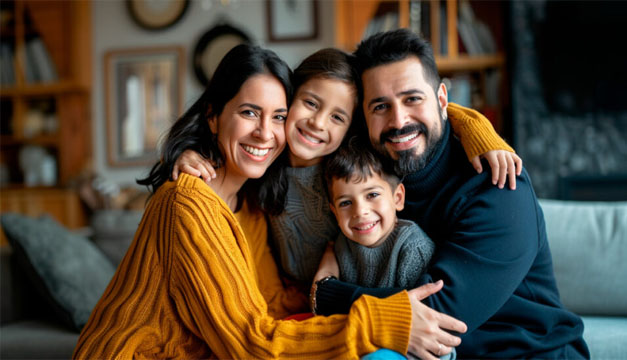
{"type": "Point", "coordinates": [192, 163]}
{"type": "Point", "coordinates": [503, 164]}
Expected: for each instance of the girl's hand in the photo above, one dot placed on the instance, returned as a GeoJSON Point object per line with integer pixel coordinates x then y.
{"type": "Point", "coordinates": [328, 264]}
{"type": "Point", "coordinates": [503, 164]}
{"type": "Point", "coordinates": [428, 339]}
{"type": "Point", "coordinates": [192, 163]}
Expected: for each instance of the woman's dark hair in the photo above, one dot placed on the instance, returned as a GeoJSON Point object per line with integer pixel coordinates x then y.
{"type": "Point", "coordinates": [356, 161]}
{"type": "Point", "coordinates": [191, 131]}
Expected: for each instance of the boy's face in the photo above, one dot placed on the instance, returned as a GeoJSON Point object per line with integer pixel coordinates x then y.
{"type": "Point", "coordinates": [366, 210]}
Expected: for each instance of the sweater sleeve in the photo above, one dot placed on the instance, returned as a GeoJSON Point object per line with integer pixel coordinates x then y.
{"type": "Point", "coordinates": [213, 287]}
{"type": "Point", "coordinates": [474, 131]}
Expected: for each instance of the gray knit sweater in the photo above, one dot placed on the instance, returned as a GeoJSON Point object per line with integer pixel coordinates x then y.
{"type": "Point", "coordinates": [300, 233]}
{"type": "Point", "coordinates": [398, 262]}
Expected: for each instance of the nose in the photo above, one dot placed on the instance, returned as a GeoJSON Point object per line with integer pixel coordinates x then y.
{"type": "Point", "coordinates": [264, 129]}
{"type": "Point", "coordinates": [360, 209]}
{"type": "Point", "coordinates": [398, 118]}
{"type": "Point", "coordinates": [317, 121]}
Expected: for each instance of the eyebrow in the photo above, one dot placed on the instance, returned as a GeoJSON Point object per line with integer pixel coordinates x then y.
{"type": "Point", "coordinates": [319, 99]}
{"type": "Point", "coordinates": [258, 108]}
{"type": "Point", "coordinates": [402, 93]}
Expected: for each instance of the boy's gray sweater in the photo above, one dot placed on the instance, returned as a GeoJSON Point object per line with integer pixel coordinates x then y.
{"type": "Point", "coordinates": [398, 262]}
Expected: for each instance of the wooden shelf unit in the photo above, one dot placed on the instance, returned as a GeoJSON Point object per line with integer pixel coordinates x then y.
{"type": "Point", "coordinates": [353, 16]}
{"type": "Point", "coordinates": [64, 28]}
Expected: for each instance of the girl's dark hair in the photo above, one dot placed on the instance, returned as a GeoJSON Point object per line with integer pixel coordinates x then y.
{"type": "Point", "coordinates": [191, 131]}
{"type": "Point", "coordinates": [356, 160]}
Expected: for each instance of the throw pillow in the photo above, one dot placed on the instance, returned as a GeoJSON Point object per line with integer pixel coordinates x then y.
{"type": "Point", "coordinates": [64, 267]}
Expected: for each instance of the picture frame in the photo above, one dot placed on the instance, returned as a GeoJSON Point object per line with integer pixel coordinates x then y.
{"type": "Point", "coordinates": [292, 20]}
{"type": "Point", "coordinates": [157, 15]}
{"type": "Point", "coordinates": [211, 48]}
{"type": "Point", "coordinates": [143, 98]}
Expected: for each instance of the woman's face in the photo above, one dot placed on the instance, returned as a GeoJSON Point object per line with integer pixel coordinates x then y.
{"type": "Point", "coordinates": [250, 129]}
{"type": "Point", "coordinates": [318, 119]}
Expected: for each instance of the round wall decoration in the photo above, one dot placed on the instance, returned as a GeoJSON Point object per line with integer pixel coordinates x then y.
{"type": "Point", "coordinates": [211, 48]}
{"type": "Point", "coordinates": [157, 14]}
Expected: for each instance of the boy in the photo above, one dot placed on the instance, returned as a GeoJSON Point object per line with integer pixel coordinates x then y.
{"type": "Point", "coordinates": [375, 248]}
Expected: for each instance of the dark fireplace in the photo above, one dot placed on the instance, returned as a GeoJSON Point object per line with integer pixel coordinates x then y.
{"type": "Point", "coordinates": [569, 96]}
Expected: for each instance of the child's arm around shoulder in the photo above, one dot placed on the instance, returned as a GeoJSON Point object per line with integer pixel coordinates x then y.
{"type": "Point", "coordinates": [480, 140]}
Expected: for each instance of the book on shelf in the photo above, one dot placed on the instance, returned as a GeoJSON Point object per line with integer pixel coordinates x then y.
{"type": "Point", "coordinates": [39, 64]}
{"type": "Point", "coordinates": [475, 34]}
{"type": "Point", "coordinates": [7, 70]}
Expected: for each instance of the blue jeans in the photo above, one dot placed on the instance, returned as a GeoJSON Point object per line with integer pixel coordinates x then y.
{"type": "Point", "coordinates": [386, 354]}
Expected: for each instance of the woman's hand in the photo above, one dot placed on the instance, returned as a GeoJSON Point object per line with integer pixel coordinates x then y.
{"type": "Point", "coordinates": [503, 164]}
{"type": "Point", "coordinates": [192, 163]}
{"type": "Point", "coordinates": [428, 339]}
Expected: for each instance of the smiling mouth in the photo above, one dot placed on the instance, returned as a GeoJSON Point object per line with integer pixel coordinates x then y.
{"type": "Point", "coordinates": [364, 227]}
{"type": "Point", "coordinates": [255, 151]}
{"type": "Point", "coordinates": [309, 137]}
{"type": "Point", "coordinates": [403, 139]}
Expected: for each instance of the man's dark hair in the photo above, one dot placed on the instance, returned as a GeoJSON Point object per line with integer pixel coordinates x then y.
{"type": "Point", "coordinates": [392, 46]}
{"type": "Point", "coordinates": [356, 161]}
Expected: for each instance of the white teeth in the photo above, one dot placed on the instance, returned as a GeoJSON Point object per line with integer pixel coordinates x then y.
{"type": "Point", "coordinates": [369, 226]}
{"type": "Point", "coordinates": [254, 151]}
{"type": "Point", "coordinates": [404, 138]}
{"type": "Point", "coordinates": [310, 138]}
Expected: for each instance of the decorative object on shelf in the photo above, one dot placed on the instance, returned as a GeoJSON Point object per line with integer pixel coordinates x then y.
{"type": "Point", "coordinates": [143, 93]}
{"type": "Point", "coordinates": [211, 48]}
{"type": "Point", "coordinates": [156, 14]}
{"type": "Point", "coordinates": [292, 20]}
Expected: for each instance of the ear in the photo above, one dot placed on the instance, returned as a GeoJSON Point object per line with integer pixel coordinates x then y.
{"type": "Point", "coordinates": [443, 99]}
{"type": "Point", "coordinates": [399, 197]}
{"type": "Point", "coordinates": [333, 209]}
{"type": "Point", "coordinates": [213, 124]}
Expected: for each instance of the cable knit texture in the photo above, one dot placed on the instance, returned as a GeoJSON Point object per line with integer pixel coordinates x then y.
{"type": "Point", "coordinates": [397, 262]}
{"type": "Point", "coordinates": [300, 232]}
{"type": "Point", "coordinates": [187, 288]}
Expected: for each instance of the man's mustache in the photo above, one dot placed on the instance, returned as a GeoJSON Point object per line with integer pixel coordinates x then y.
{"type": "Point", "coordinates": [420, 127]}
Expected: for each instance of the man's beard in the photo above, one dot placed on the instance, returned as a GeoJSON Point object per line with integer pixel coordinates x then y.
{"type": "Point", "coordinates": [408, 162]}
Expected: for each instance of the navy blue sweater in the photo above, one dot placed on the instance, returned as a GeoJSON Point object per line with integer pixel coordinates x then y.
{"type": "Point", "coordinates": [493, 255]}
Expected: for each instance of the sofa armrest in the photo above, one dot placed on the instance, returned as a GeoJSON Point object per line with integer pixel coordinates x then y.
{"type": "Point", "coordinates": [588, 242]}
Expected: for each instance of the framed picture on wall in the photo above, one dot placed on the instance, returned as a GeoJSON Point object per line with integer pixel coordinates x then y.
{"type": "Point", "coordinates": [292, 20]}
{"type": "Point", "coordinates": [143, 97]}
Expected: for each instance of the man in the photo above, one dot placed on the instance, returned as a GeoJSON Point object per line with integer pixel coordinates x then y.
{"type": "Point", "coordinates": [491, 244]}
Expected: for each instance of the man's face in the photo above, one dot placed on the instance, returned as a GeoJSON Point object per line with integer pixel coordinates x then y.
{"type": "Point", "coordinates": [405, 118]}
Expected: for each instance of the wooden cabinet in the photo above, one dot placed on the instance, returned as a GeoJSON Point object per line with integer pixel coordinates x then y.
{"type": "Point", "coordinates": [45, 94]}
{"type": "Point", "coordinates": [484, 73]}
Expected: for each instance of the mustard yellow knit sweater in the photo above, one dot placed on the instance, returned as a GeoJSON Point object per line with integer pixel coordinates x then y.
{"type": "Point", "coordinates": [192, 285]}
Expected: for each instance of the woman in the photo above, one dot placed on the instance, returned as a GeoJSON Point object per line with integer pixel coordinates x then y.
{"type": "Point", "coordinates": [191, 284]}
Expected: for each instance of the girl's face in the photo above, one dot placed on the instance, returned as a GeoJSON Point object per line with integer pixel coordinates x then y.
{"type": "Point", "coordinates": [251, 128]}
{"type": "Point", "coordinates": [318, 119]}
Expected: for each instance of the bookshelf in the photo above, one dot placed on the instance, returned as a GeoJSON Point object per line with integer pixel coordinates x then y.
{"type": "Point", "coordinates": [477, 69]}
{"type": "Point", "coordinates": [47, 109]}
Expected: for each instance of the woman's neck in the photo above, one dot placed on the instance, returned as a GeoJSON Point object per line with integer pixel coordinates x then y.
{"type": "Point", "coordinates": [227, 186]}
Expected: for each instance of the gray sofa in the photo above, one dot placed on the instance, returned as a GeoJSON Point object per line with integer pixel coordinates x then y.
{"type": "Point", "coordinates": [588, 242]}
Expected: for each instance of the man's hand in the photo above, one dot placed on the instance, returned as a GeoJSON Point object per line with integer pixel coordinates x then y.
{"type": "Point", "coordinates": [428, 339]}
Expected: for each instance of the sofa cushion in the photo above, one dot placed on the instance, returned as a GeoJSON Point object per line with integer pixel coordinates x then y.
{"type": "Point", "coordinates": [588, 242]}
{"type": "Point", "coordinates": [606, 336]}
{"type": "Point", "coordinates": [65, 268]}
{"type": "Point", "coordinates": [37, 339]}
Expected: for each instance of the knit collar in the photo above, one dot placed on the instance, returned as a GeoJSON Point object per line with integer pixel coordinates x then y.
{"type": "Point", "coordinates": [437, 171]}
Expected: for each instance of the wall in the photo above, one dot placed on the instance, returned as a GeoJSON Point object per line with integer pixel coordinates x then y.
{"type": "Point", "coordinates": [113, 28]}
